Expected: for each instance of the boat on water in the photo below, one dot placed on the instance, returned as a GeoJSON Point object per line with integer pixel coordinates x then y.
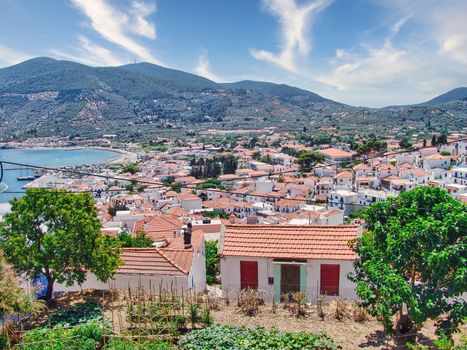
{"type": "Point", "coordinates": [26, 178]}
{"type": "Point", "coordinates": [3, 187]}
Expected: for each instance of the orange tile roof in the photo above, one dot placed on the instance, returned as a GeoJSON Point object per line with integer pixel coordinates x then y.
{"type": "Point", "coordinates": [289, 241]}
{"type": "Point", "coordinates": [334, 152]}
{"type": "Point", "coordinates": [171, 260]}
{"type": "Point", "coordinates": [159, 227]}
{"type": "Point", "coordinates": [344, 175]}
{"type": "Point", "coordinates": [153, 261]}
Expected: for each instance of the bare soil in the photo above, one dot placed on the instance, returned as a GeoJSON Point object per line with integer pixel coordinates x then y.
{"type": "Point", "coordinates": [346, 332]}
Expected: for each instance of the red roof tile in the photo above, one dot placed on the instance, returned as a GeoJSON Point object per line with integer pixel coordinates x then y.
{"type": "Point", "coordinates": [289, 241]}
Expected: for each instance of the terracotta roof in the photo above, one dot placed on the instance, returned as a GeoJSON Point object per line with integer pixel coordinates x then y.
{"type": "Point", "coordinates": [334, 152]}
{"type": "Point", "coordinates": [290, 242]}
{"type": "Point", "coordinates": [159, 227]}
{"type": "Point", "coordinates": [172, 260]}
{"type": "Point", "coordinates": [344, 175]}
{"type": "Point", "coordinates": [154, 261]}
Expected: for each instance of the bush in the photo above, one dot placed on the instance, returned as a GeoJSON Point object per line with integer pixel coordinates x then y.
{"type": "Point", "coordinates": [249, 301]}
{"type": "Point", "coordinates": [129, 344]}
{"type": "Point", "coordinates": [83, 337]}
{"type": "Point", "coordinates": [212, 261]}
{"type": "Point", "coordinates": [229, 337]}
{"type": "Point", "coordinates": [77, 314]}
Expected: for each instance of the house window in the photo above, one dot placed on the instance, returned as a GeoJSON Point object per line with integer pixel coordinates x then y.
{"type": "Point", "coordinates": [330, 279]}
{"type": "Point", "coordinates": [248, 274]}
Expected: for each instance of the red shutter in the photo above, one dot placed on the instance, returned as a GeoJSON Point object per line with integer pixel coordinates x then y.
{"type": "Point", "coordinates": [249, 274]}
{"type": "Point", "coordinates": [330, 279]}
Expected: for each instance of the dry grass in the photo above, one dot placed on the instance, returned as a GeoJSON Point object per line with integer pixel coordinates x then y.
{"type": "Point", "coordinates": [349, 326]}
{"type": "Point", "coordinates": [366, 333]}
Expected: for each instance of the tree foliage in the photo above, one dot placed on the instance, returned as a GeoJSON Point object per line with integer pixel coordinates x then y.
{"type": "Point", "coordinates": [140, 240]}
{"type": "Point", "coordinates": [131, 168]}
{"type": "Point", "coordinates": [212, 261]}
{"type": "Point", "coordinates": [412, 259]}
{"type": "Point", "coordinates": [57, 234]}
{"type": "Point", "coordinates": [307, 159]}
{"type": "Point", "coordinates": [12, 297]}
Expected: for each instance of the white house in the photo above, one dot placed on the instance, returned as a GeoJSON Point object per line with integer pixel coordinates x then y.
{"type": "Point", "coordinates": [343, 180]}
{"type": "Point", "coordinates": [334, 155]}
{"type": "Point", "coordinates": [436, 161]}
{"type": "Point", "coordinates": [175, 267]}
{"type": "Point", "coordinates": [343, 200]}
{"type": "Point", "coordinates": [282, 259]}
{"type": "Point", "coordinates": [459, 175]}
{"type": "Point", "coordinates": [368, 196]}
{"type": "Point", "coordinates": [189, 201]}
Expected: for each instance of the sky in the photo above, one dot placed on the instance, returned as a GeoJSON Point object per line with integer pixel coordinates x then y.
{"type": "Point", "coordinates": [361, 52]}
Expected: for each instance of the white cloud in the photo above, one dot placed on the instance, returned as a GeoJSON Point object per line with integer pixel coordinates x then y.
{"type": "Point", "coordinates": [114, 25]}
{"type": "Point", "coordinates": [204, 68]}
{"type": "Point", "coordinates": [9, 56]}
{"type": "Point", "coordinates": [294, 21]}
{"type": "Point", "coordinates": [90, 53]}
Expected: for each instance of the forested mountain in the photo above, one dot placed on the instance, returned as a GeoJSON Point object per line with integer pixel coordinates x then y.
{"type": "Point", "coordinates": [44, 96]}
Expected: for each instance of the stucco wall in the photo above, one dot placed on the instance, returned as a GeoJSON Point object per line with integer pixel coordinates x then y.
{"type": "Point", "coordinates": [123, 281]}
{"type": "Point", "coordinates": [230, 273]}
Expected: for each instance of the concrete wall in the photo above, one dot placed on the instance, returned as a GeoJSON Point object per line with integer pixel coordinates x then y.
{"type": "Point", "coordinates": [197, 276]}
{"type": "Point", "coordinates": [123, 281]}
{"type": "Point", "coordinates": [230, 272]}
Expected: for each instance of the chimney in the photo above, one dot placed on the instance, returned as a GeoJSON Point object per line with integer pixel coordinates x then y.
{"type": "Point", "coordinates": [187, 236]}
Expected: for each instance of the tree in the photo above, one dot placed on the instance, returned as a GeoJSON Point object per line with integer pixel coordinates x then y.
{"type": "Point", "coordinates": [112, 211]}
{"type": "Point", "coordinates": [405, 143]}
{"type": "Point", "coordinates": [212, 261]}
{"type": "Point", "coordinates": [412, 260]}
{"type": "Point", "coordinates": [13, 298]}
{"type": "Point", "coordinates": [140, 240]}
{"type": "Point", "coordinates": [131, 168]}
{"type": "Point", "coordinates": [57, 234]}
{"type": "Point", "coordinates": [307, 159]}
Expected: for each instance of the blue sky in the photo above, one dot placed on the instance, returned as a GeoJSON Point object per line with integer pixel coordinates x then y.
{"type": "Point", "coordinates": [361, 52]}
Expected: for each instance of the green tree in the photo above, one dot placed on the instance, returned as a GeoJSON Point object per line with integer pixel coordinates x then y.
{"type": "Point", "coordinates": [307, 159]}
{"type": "Point", "coordinates": [57, 234]}
{"type": "Point", "coordinates": [413, 259]}
{"type": "Point", "coordinates": [140, 240]}
{"type": "Point", "coordinates": [212, 261]}
{"type": "Point", "coordinates": [131, 168]}
{"type": "Point", "coordinates": [12, 297]}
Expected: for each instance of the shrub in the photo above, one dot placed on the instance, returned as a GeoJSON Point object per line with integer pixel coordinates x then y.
{"type": "Point", "coordinates": [130, 344]}
{"type": "Point", "coordinates": [239, 338]}
{"type": "Point", "coordinates": [77, 314]}
{"type": "Point", "coordinates": [249, 301]}
{"type": "Point", "coordinates": [82, 337]}
{"type": "Point", "coordinates": [212, 261]}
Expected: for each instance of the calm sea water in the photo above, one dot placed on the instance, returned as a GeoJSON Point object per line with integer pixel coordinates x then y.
{"type": "Point", "coordinates": [45, 157]}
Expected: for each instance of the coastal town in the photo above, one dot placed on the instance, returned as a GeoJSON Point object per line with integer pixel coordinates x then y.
{"type": "Point", "coordinates": [233, 175]}
{"type": "Point", "coordinates": [262, 181]}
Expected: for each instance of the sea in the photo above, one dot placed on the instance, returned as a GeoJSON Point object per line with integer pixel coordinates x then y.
{"type": "Point", "coordinates": [49, 157]}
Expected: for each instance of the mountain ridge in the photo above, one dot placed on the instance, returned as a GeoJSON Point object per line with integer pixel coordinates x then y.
{"type": "Point", "coordinates": [44, 96]}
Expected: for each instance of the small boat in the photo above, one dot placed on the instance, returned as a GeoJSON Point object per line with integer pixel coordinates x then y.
{"type": "Point", "coordinates": [25, 178]}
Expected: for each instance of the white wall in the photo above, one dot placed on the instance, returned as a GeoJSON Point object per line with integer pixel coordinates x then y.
{"type": "Point", "coordinates": [230, 275]}
{"type": "Point", "coordinates": [122, 281]}
{"type": "Point", "coordinates": [346, 287]}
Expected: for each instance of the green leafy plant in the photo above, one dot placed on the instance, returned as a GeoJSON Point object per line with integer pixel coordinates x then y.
{"type": "Point", "coordinates": [57, 234]}
{"type": "Point", "coordinates": [212, 261]}
{"type": "Point", "coordinates": [241, 338]}
{"type": "Point", "coordinates": [413, 260]}
{"type": "Point", "coordinates": [77, 314]}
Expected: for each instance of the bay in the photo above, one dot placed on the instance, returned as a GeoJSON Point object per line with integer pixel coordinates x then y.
{"type": "Point", "coordinates": [45, 157]}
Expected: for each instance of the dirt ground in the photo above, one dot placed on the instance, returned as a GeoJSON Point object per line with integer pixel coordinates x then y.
{"type": "Point", "coordinates": [347, 333]}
